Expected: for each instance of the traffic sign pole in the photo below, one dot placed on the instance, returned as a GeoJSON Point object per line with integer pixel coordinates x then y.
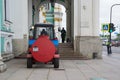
{"type": "Point", "coordinates": [110, 23]}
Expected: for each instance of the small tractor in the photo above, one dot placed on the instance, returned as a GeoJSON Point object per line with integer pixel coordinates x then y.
{"type": "Point", "coordinates": [42, 47]}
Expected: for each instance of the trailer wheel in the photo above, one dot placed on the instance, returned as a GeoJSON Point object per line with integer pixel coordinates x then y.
{"type": "Point", "coordinates": [29, 62]}
{"type": "Point", "coordinates": [56, 62]}
{"type": "Point", "coordinates": [53, 61]}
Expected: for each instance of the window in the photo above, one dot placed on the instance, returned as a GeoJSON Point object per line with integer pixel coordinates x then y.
{"type": "Point", "coordinates": [7, 10]}
{"type": "Point", "coordinates": [47, 6]}
{"type": "Point", "coordinates": [49, 31]}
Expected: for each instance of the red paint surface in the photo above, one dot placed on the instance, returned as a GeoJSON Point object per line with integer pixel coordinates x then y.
{"type": "Point", "coordinates": [46, 49]}
{"type": "Point", "coordinates": [56, 56]}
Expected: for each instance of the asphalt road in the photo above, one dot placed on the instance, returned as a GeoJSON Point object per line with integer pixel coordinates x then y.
{"type": "Point", "coordinates": [114, 49]}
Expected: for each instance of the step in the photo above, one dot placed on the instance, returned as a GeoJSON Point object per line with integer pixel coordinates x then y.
{"type": "Point", "coordinates": [65, 45]}
{"type": "Point", "coordinates": [73, 58]}
{"type": "Point", "coordinates": [66, 52]}
{"type": "Point", "coordinates": [7, 57]}
{"type": "Point", "coordinates": [68, 48]}
{"type": "Point", "coordinates": [69, 54]}
{"type": "Point", "coordinates": [22, 56]}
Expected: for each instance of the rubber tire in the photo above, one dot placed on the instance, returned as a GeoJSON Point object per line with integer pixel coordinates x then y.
{"type": "Point", "coordinates": [53, 61]}
{"type": "Point", "coordinates": [29, 62]}
{"type": "Point", "coordinates": [56, 62]}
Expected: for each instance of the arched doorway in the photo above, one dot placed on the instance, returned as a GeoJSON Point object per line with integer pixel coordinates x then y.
{"type": "Point", "coordinates": [53, 15]}
{"type": "Point", "coordinates": [81, 27]}
{"type": "Point", "coordinates": [65, 3]}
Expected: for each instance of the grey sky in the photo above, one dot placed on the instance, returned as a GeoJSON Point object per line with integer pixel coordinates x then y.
{"type": "Point", "coordinates": [105, 11]}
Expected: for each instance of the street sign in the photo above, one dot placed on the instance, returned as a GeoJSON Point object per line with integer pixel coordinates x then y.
{"type": "Point", "coordinates": [105, 27]}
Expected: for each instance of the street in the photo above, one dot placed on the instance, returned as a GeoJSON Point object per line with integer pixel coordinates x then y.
{"type": "Point", "coordinates": [107, 68]}
{"type": "Point", "coordinates": [114, 49]}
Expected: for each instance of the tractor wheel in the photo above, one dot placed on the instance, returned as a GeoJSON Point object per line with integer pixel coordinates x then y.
{"type": "Point", "coordinates": [29, 62]}
{"type": "Point", "coordinates": [56, 62]}
{"type": "Point", "coordinates": [53, 60]}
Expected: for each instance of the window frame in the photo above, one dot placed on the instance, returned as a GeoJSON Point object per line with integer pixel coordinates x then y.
{"type": "Point", "coordinates": [6, 19]}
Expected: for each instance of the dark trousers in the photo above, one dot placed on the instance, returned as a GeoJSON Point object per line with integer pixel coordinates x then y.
{"type": "Point", "coordinates": [63, 39]}
{"type": "Point", "coordinates": [109, 49]}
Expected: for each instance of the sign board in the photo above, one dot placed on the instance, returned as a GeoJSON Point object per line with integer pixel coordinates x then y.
{"type": "Point", "coordinates": [105, 27]}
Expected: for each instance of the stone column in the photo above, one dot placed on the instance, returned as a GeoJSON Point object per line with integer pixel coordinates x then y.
{"type": "Point", "coordinates": [68, 24]}
{"type": "Point", "coordinates": [36, 4]}
{"type": "Point", "coordinates": [95, 16]}
{"type": "Point", "coordinates": [87, 39]}
{"type": "Point", "coordinates": [68, 18]}
{"type": "Point", "coordinates": [76, 25]}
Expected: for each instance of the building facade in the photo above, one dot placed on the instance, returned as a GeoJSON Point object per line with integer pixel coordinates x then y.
{"type": "Point", "coordinates": [82, 24]}
{"type": "Point", "coordinates": [82, 28]}
{"type": "Point", "coordinates": [6, 34]}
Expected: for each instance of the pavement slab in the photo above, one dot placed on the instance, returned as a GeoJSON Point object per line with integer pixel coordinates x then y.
{"type": "Point", "coordinates": [107, 68]}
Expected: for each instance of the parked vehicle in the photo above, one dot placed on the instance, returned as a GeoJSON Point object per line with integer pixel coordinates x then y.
{"type": "Point", "coordinates": [43, 47]}
{"type": "Point", "coordinates": [116, 43]}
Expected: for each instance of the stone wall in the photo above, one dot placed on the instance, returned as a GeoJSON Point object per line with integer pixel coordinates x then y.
{"type": "Point", "coordinates": [88, 46]}
{"type": "Point", "coordinates": [20, 46]}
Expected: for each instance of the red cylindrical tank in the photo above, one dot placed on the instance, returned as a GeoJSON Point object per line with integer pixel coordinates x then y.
{"type": "Point", "coordinates": [43, 49]}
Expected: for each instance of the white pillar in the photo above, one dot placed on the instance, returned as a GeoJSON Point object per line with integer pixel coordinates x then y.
{"type": "Point", "coordinates": [76, 12]}
{"type": "Point", "coordinates": [68, 24]}
{"type": "Point", "coordinates": [20, 26]}
{"type": "Point", "coordinates": [86, 26]}
{"type": "Point", "coordinates": [96, 17]}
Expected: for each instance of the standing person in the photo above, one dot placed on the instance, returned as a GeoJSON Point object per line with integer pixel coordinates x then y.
{"type": "Point", "coordinates": [44, 32]}
{"type": "Point", "coordinates": [63, 35]}
{"type": "Point", "coordinates": [108, 47]}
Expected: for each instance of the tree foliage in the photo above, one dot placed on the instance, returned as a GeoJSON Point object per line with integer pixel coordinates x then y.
{"type": "Point", "coordinates": [118, 37]}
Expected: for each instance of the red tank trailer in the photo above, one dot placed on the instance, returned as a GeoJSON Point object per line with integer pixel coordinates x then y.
{"type": "Point", "coordinates": [43, 47]}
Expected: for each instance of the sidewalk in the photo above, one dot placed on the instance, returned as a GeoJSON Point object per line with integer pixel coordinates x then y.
{"type": "Point", "coordinates": [107, 68]}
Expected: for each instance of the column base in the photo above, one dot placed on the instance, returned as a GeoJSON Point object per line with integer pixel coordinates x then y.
{"type": "Point", "coordinates": [3, 66]}
{"type": "Point", "coordinates": [89, 46]}
{"type": "Point", "coordinates": [20, 46]}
